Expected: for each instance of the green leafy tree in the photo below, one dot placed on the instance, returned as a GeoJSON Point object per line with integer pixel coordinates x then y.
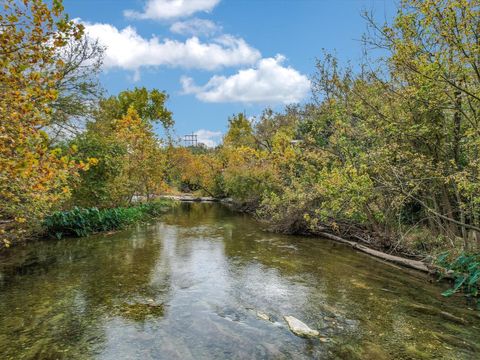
{"type": "Point", "coordinates": [130, 159]}
{"type": "Point", "coordinates": [240, 132]}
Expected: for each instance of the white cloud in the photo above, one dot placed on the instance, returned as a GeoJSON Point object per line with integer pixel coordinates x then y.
{"type": "Point", "coordinates": [208, 137]}
{"type": "Point", "coordinates": [171, 9]}
{"type": "Point", "coordinates": [195, 27]}
{"type": "Point", "coordinates": [126, 49]}
{"type": "Point", "coordinates": [268, 83]}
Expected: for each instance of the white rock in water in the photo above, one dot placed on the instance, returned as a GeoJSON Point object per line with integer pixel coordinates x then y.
{"type": "Point", "coordinates": [299, 328]}
{"type": "Point", "coordinates": [263, 316]}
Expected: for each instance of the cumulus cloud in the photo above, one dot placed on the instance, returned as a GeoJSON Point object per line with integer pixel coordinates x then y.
{"type": "Point", "coordinates": [270, 82]}
{"type": "Point", "coordinates": [171, 9]}
{"type": "Point", "coordinates": [208, 137]}
{"type": "Point", "coordinates": [128, 50]}
{"type": "Point", "coordinates": [195, 27]}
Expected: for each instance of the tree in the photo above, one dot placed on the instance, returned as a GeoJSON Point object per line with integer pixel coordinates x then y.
{"type": "Point", "coordinates": [143, 162]}
{"type": "Point", "coordinates": [240, 132]}
{"type": "Point", "coordinates": [33, 177]}
{"type": "Point", "coordinates": [149, 105]}
{"type": "Point", "coordinates": [78, 88]}
{"type": "Point", "coordinates": [196, 171]}
{"type": "Point", "coordinates": [130, 158]}
{"type": "Point", "coordinates": [435, 70]}
{"type": "Point", "coordinates": [269, 123]}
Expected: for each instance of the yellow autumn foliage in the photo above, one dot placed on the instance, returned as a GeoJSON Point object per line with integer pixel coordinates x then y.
{"type": "Point", "coordinates": [32, 176]}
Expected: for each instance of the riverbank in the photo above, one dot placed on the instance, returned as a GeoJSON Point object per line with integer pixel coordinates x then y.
{"type": "Point", "coordinates": [80, 222]}
{"type": "Point", "coordinates": [413, 264]}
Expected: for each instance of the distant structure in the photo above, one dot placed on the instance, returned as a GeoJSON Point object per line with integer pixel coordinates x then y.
{"type": "Point", "coordinates": [190, 140]}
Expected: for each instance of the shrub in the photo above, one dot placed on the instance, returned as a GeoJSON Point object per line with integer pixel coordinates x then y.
{"type": "Point", "coordinates": [465, 270]}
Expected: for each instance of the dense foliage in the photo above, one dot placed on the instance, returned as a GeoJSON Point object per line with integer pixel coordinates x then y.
{"type": "Point", "coordinates": [387, 154]}
{"type": "Point", "coordinates": [465, 270]}
{"type": "Point", "coordinates": [83, 222]}
{"type": "Point", "coordinates": [34, 174]}
{"type": "Point", "coordinates": [129, 157]}
{"type": "Point", "coordinates": [50, 93]}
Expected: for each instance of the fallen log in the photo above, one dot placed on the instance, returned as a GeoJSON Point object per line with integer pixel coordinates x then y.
{"type": "Point", "coordinates": [189, 198]}
{"type": "Point", "coordinates": [413, 264]}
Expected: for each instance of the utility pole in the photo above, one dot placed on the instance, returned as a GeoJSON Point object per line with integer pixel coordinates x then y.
{"type": "Point", "coordinates": [190, 140]}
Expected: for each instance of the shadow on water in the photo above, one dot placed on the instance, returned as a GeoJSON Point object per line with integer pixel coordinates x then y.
{"type": "Point", "coordinates": [192, 286]}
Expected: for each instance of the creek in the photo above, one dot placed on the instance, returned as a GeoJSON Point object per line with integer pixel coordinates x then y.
{"type": "Point", "coordinates": [204, 282]}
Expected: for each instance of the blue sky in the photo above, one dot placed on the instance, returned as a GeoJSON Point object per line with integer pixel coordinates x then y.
{"type": "Point", "coordinates": [219, 57]}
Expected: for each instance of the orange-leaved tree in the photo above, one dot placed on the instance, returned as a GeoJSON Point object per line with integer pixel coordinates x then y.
{"type": "Point", "coordinates": [32, 174]}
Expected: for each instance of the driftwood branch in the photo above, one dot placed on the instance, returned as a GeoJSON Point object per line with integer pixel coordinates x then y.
{"type": "Point", "coordinates": [414, 264]}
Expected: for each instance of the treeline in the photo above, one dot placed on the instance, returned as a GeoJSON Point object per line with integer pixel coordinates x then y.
{"type": "Point", "coordinates": [386, 153]}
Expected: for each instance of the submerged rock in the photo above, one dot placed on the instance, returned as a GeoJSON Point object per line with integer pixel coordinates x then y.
{"type": "Point", "coordinates": [299, 328]}
{"type": "Point", "coordinates": [140, 311]}
{"type": "Point", "coordinates": [231, 314]}
{"type": "Point", "coordinates": [263, 316]}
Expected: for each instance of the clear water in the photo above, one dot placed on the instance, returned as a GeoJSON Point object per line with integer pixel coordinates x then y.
{"type": "Point", "coordinates": [191, 285]}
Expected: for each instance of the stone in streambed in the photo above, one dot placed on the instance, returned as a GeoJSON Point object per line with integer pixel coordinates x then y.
{"type": "Point", "coordinates": [299, 328]}
{"type": "Point", "coordinates": [263, 316]}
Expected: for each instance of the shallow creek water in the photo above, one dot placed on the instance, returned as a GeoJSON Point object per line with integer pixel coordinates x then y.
{"type": "Point", "coordinates": [193, 284]}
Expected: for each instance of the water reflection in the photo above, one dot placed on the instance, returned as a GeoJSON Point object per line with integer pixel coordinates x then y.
{"type": "Point", "coordinates": [191, 286]}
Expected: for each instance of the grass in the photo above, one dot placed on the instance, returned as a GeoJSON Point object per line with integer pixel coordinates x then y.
{"type": "Point", "coordinates": [80, 222]}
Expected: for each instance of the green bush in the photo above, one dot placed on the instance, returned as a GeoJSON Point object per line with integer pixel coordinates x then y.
{"type": "Point", "coordinates": [465, 270]}
{"type": "Point", "coordinates": [83, 222]}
